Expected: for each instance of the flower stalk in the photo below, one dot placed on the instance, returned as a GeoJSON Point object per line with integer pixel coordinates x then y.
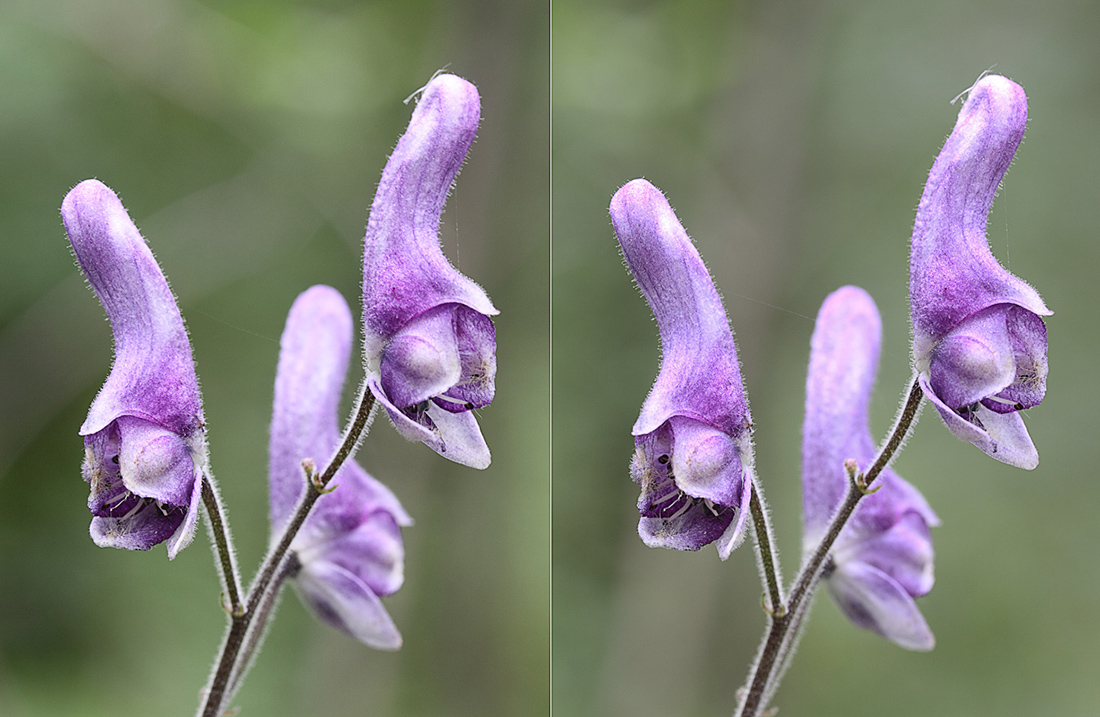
{"type": "Point", "coordinates": [232, 655]}
{"type": "Point", "coordinates": [780, 633]}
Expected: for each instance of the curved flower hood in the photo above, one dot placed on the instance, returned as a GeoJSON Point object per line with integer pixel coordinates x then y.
{"type": "Point", "coordinates": [144, 437]}
{"type": "Point", "coordinates": [979, 344]}
{"type": "Point", "coordinates": [429, 344]}
{"type": "Point", "coordinates": [693, 457]}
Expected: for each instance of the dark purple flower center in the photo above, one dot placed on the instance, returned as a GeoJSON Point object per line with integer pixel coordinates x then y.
{"type": "Point", "coordinates": [669, 502]}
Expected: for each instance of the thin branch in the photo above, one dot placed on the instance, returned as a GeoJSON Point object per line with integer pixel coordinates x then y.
{"type": "Point", "coordinates": [769, 559]}
{"type": "Point", "coordinates": [239, 625]}
{"type": "Point", "coordinates": [773, 648]}
{"type": "Point", "coordinates": [223, 545]}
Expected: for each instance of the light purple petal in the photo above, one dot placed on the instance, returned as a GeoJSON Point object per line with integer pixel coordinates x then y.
{"type": "Point", "coordinates": [455, 436]}
{"type": "Point", "coordinates": [844, 353]}
{"type": "Point", "coordinates": [154, 462]}
{"type": "Point", "coordinates": [145, 443]}
{"type": "Point", "coordinates": [1000, 435]}
{"type": "Point", "coordinates": [700, 377]}
{"type": "Point", "coordinates": [705, 461]}
{"type": "Point", "coordinates": [903, 551]}
{"type": "Point", "coordinates": [313, 360]}
{"type": "Point", "coordinates": [974, 360]}
{"type": "Point", "coordinates": [420, 341]}
{"type": "Point", "coordinates": [979, 344]}
{"type": "Point", "coordinates": [735, 533]}
{"type": "Point", "coordinates": [875, 601]}
{"type": "Point", "coordinates": [422, 359]}
{"type": "Point", "coordinates": [342, 600]}
{"type": "Point", "coordinates": [693, 435]}
{"type": "Point", "coordinates": [373, 551]}
{"type": "Point", "coordinates": [186, 531]}
{"type": "Point", "coordinates": [883, 555]}
{"type": "Point", "coordinates": [952, 272]}
{"type": "Point", "coordinates": [142, 529]}
{"type": "Point", "coordinates": [349, 548]}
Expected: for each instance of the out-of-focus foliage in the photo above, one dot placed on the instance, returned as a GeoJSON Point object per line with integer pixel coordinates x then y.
{"type": "Point", "coordinates": [246, 139]}
{"type": "Point", "coordinates": [793, 139]}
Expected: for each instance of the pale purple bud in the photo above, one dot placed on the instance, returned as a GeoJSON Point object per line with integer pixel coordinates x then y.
{"type": "Point", "coordinates": [979, 346]}
{"type": "Point", "coordinates": [429, 344]}
{"type": "Point", "coordinates": [145, 442]}
{"type": "Point", "coordinates": [882, 559]}
{"type": "Point", "coordinates": [693, 438]}
{"type": "Point", "coordinates": [349, 551]}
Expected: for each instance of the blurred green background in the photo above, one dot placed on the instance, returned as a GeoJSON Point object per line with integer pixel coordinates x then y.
{"type": "Point", "coordinates": [246, 138]}
{"type": "Point", "coordinates": [793, 139]}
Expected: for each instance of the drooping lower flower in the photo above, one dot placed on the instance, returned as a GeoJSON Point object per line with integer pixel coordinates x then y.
{"type": "Point", "coordinates": [349, 551]}
{"type": "Point", "coordinates": [144, 438]}
{"type": "Point", "coordinates": [693, 457]}
{"type": "Point", "coordinates": [882, 558]}
{"type": "Point", "coordinates": [430, 346]}
{"type": "Point", "coordinates": [979, 344]}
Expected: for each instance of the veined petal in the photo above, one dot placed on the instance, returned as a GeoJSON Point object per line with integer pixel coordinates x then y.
{"type": "Point", "coordinates": [952, 272]}
{"type": "Point", "coordinates": [429, 345]}
{"type": "Point", "coordinates": [345, 602]}
{"type": "Point", "coordinates": [903, 551]}
{"type": "Point", "coordinates": [153, 376]}
{"type": "Point", "coordinates": [875, 601]}
{"type": "Point", "coordinates": [999, 435]}
{"type": "Point", "coordinates": [700, 377]}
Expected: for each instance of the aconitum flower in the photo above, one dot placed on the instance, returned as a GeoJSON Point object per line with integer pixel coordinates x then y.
{"type": "Point", "coordinates": [979, 344]}
{"type": "Point", "coordinates": [693, 457]}
{"type": "Point", "coordinates": [882, 558]}
{"type": "Point", "coordinates": [429, 344]}
{"type": "Point", "coordinates": [144, 439]}
{"type": "Point", "coordinates": [349, 550]}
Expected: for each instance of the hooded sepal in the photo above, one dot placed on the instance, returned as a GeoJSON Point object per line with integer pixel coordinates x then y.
{"type": "Point", "coordinates": [144, 437]}
{"type": "Point", "coordinates": [693, 458]}
{"type": "Point", "coordinates": [979, 344]}
{"type": "Point", "coordinates": [429, 345]}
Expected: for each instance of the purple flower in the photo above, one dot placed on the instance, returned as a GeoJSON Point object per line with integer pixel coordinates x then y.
{"type": "Point", "coordinates": [144, 438]}
{"type": "Point", "coordinates": [882, 559]}
{"type": "Point", "coordinates": [429, 345]}
{"type": "Point", "coordinates": [349, 550]}
{"type": "Point", "coordinates": [693, 457]}
{"type": "Point", "coordinates": [979, 346]}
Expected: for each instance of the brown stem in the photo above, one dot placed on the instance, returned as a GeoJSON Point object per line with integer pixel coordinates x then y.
{"type": "Point", "coordinates": [215, 697]}
{"type": "Point", "coordinates": [779, 627]}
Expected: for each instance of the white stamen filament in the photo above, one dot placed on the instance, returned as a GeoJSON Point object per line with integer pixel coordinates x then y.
{"type": "Point", "coordinates": [683, 509]}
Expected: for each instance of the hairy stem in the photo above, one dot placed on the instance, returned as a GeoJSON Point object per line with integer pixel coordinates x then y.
{"type": "Point", "coordinates": [239, 626]}
{"type": "Point", "coordinates": [776, 645]}
{"type": "Point", "coordinates": [223, 545]}
{"type": "Point", "coordinates": [264, 612]}
{"type": "Point", "coordinates": [769, 558]}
